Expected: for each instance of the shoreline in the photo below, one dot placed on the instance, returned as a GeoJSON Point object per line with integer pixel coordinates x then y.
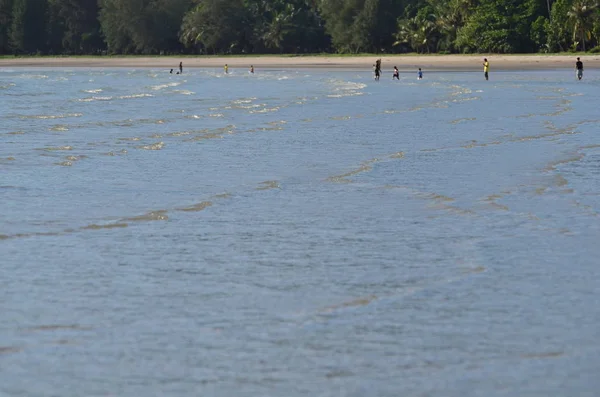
{"type": "Point", "coordinates": [411, 62]}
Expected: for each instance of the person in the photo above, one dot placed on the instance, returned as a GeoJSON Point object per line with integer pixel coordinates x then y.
{"type": "Point", "coordinates": [486, 68]}
{"type": "Point", "coordinates": [420, 74]}
{"type": "Point", "coordinates": [396, 74]}
{"type": "Point", "coordinates": [171, 71]}
{"type": "Point", "coordinates": [579, 68]}
{"type": "Point", "coordinates": [251, 69]}
{"type": "Point", "coordinates": [377, 69]}
{"type": "Point", "coordinates": [226, 68]}
{"type": "Point", "coordinates": [180, 67]}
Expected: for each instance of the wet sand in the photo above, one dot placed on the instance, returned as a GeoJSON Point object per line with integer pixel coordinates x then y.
{"type": "Point", "coordinates": [427, 62]}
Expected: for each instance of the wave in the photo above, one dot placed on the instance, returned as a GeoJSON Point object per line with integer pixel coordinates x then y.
{"type": "Point", "coordinates": [163, 86]}
{"type": "Point", "coordinates": [53, 116]}
{"type": "Point", "coordinates": [96, 98]}
{"type": "Point", "coordinates": [154, 146]}
{"type": "Point", "coordinates": [136, 96]}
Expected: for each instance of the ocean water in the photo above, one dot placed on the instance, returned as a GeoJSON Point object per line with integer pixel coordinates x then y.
{"type": "Point", "coordinates": [299, 233]}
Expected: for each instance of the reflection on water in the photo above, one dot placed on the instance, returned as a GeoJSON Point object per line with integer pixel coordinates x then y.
{"type": "Point", "coordinates": [298, 233]}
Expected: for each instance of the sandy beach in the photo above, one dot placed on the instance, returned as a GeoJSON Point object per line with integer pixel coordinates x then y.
{"type": "Point", "coordinates": [403, 62]}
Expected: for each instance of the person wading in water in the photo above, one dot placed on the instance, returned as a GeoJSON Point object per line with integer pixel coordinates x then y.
{"type": "Point", "coordinates": [486, 68]}
{"type": "Point", "coordinates": [579, 68]}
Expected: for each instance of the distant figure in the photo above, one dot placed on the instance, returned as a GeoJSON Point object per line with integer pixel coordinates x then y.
{"type": "Point", "coordinates": [579, 69]}
{"type": "Point", "coordinates": [396, 74]}
{"type": "Point", "coordinates": [171, 71]}
{"type": "Point", "coordinates": [251, 69]}
{"type": "Point", "coordinates": [180, 67]}
{"type": "Point", "coordinates": [486, 68]}
{"type": "Point", "coordinates": [420, 74]}
{"type": "Point", "coordinates": [226, 68]}
{"type": "Point", "coordinates": [377, 69]}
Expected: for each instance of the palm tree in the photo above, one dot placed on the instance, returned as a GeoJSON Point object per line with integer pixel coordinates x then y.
{"type": "Point", "coordinates": [279, 27]}
{"type": "Point", "coordinates": [418, 33]}
{"type": "Point", "coordinates": [582, 15]}
{"type": "Point", "coordinates": [449, 16]}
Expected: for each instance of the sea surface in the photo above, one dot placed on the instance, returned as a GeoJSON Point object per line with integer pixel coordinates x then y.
{"type": "Point", "coordinates": [299, 233]}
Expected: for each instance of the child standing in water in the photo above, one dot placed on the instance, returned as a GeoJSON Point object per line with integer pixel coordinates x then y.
{"type": "Point", "coordinates": [420, 74]}
{"type": "Point", "coordinates": [396, 74]}
{"type": "Point", "coordinates": [226, 69]}
{"type": "Point", "coordinates": [251, 69]}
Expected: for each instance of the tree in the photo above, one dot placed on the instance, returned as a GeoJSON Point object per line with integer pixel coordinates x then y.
{"type": "Point", "coordinates": [559, 29]}
{"type": "Point", "coordinates": [306, 32]}
{"type": "Point", "coordinates": [142, 26]}
{"type": "Point", "coordinates": [361, 25]}
{"type": "Point", "coordinates": [449, 17]}
{"type": "Point", "coordinates": [418, 32]}
{"type": "Point", "coordinates": [501, 26]}
{"type": "Point", "coordinates": [582, 16]}
{"type": "Point", "coordinates": [216, 26]}
{"type": "Point", "coordinates": [76, 21]}
{"type": "Point", "coordinates": [6, 7]}
{"type": "Point", "coordinates": [27, 26]}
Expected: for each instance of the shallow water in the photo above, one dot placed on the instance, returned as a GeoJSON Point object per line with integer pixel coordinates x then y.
{"type": "Point", "coordinates": [305, 233]}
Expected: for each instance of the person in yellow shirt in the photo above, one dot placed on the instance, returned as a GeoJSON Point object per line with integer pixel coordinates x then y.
{"type": "Point", "coordinates": [226, 69]}
{"type": "Point", "coordinates": [486, 68]}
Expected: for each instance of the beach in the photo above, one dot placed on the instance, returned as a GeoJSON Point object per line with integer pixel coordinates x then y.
{"type": "Point", "coordinates": [403, 62]}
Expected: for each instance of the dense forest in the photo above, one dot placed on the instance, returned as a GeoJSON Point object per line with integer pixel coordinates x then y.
{"type": "Point", "coordinates": [296, 26]}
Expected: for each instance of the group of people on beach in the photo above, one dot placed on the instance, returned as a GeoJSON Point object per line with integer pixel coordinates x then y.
{"type": "Point", "coordinates": [180, 69]}
{"type": "Point", "coordinates": [486, 70]}
{"type": "Point", "coordinates": [578, 69]}
{"type": "Point", "coordinates": [225, 69]}
{"type": "Point", "coordinates": [396, 75]}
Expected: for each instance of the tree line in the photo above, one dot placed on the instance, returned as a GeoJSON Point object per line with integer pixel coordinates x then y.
{"type": "Point", "coordinates": [296, 26]}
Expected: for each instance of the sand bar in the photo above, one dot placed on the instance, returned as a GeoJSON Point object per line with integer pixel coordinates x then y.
{"type": "Point", "coordinates": [403, 62]}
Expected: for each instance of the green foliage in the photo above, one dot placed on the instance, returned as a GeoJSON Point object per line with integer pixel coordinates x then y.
{"type": "Point", "coordinates": [26, 34]}
{"type": "Point", "coordinates": [213, 26]}
{"type": "Point", "coordinates": [419, 32]}
{"type": "Point", "coordinates": [73, 26]}
{"type": "Point", "coordinates": [559, 29]}
{"type": "Point", "coordinates": [297, 26]}
{"type": "Point", "coordinates": [582, 15]}
{"type": "Point", "coordinates": [499, 26]}
{"type": "Point", "coordinates": [142, 26]}
{"type": "Point", "coordinates": [6, 7]}
{"type": "Point", "coordinates": [360, 25]}
{"type": "Point", "coordinates": [539, 27]}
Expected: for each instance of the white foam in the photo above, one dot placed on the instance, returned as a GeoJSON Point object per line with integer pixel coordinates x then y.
{"type": "Point", "coordinates": [163, 86]}
{"type": "Point", "coordinates": [55, 116]}
{"type": "Point", "coordinates": [96, 98]}
{"type": "Point", "coordinates": [136, 96]}
{"type": "Point", "coordinates": [184, 92]}
{"type": "Point", "coordinates": [33, 76]}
